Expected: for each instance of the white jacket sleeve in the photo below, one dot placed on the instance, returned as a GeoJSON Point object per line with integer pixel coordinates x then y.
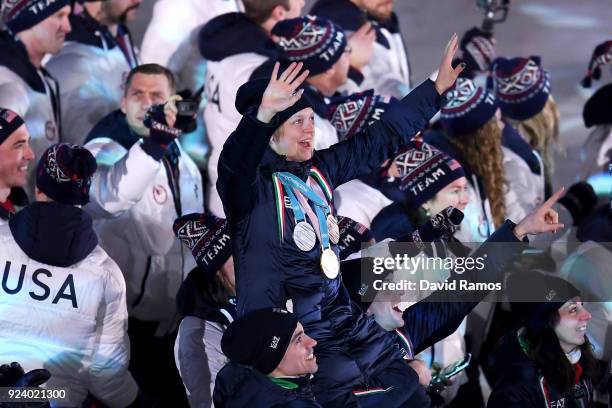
{"type": "Point", "coordinates": [12, 95]}
{"type": "Point", "coordinates": [121, 179]}
{"type": "Point", "coordinates": [109, 378]}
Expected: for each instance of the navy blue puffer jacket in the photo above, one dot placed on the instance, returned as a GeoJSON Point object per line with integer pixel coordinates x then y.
{"type": "Point", "coordinates": [270, 272]}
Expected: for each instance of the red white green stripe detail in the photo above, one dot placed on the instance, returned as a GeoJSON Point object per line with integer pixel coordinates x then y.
{"type": "Point", "coordinates": [318, 176]}
{"type": "Point", "coordinates": [280, 206]}
{"type": "Point", "coordinates": [544, 390]}
{"type": "Point", "coordinates": [371, 391]}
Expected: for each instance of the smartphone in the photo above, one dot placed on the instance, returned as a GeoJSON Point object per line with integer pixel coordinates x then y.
{"type": "Point", "coordinates": [187, 107]}
{"type": "Point", "coordinates": [452, 370]}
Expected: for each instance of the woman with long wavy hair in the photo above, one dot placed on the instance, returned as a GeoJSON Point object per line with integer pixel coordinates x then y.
{"type": "Point", "coordinates": [548, 361]}
{"type": "Point", "coordinates": [522, 88]}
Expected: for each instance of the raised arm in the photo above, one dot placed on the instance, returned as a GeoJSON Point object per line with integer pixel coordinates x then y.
{"type": "Point", "coordinates": [366, 151]}
{"type": "Point", "coordinates": [440, 314]}
{"type": "Point", "coordinates": [245, 147]}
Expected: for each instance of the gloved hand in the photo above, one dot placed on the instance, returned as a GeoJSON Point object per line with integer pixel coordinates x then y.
{"type": "Point", "coordinates": [13, 375]}
{"type": "Point", "coordinates": [161, 132]}
{"type": "Point", "coordinates": [160, 120]}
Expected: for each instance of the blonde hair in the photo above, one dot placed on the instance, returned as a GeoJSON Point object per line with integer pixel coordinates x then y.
{"type": "Point", "coordinates": [542, 132]}
{"type": "Point", "coordinates": [483, 154]}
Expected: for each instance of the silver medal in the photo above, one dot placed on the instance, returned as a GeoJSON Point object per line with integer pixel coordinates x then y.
{"type": "Point", "coordinates": [333, 230]}
{"type": "Point", "coordinates": [304, 236]}
{"type": "Point", "coordinates": [330, 264]}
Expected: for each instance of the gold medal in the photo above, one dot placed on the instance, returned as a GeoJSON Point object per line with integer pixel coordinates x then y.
{"type": "Point", "coordinates": [329, 263]}
{"type": "Point", "coordinates": [304, 236]}
{"type": "Point", "coordinates": [332, 228]}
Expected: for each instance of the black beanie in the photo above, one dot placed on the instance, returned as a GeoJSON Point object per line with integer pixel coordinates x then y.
{"type": "Point", "coordinates": [9, 122]}
{"type": "Point", "coordinates": [64, 173]}
{"type": "Point", "coordinates": [580, 200]}
{"type": "Point", "coordinates": [250, 94]}
{"type": "Point", "coordinates": [597, 109]}
{"type": "Point", "coordinates": [358, 277]}
{"type": "Point", "coordinates": [536, 296]}
{"type": "Point", "coordinates": [260, 338]}
{"type": "Point", "coordinates": [20, 15]}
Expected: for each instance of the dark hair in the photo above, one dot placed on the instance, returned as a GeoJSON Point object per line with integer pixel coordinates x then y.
{"type": "Point", "coordinates": [260, 10]}
{"type": "Point", "coordinates": [545, 350]}
{"type": "Point", "coordinates": [212, 290]}
{"type": "Point", "coordinates": [150, 69]}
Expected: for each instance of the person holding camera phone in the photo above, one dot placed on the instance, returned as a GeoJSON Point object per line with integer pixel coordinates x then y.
{"type": "Point", "coordinates": [144, 182]}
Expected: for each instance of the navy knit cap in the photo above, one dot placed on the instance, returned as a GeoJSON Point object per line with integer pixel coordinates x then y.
{"type": "Point", "coordinates": [9, 123]}
{"type": "Point", "coordinates": [597, 109]}
{"type": "Point", "coordinates": [20, 15]}
{"type": "Point", "coordinates": [315, 41]}
{"type": "Point", "coordinates": [602, 55]}
{"type": "Point", "coordinates": [260, 338]}
{"type": "Point", "coordinates": [208, 239]}
{"type": "Point", "coordinates": [468, 107]}
{"type": "Point", "coordinates": [478, 49]}
{"type": "Point", "coordinates": [424, 171]}
{"type": "Point", "coordinates": [521, 86]}
{"type": "Point", "coordinates": [536, 296]}
{"type": "Point", "coordinates": [352, 235]}
{"type": "Point", "coordinates": [352, 114]}
{"type": "Point", "coordinates": [250, 94]}
{"type": "Point", "coordinates": [358, 278]}
{"type": "Point", "coordinates": [64, 173]}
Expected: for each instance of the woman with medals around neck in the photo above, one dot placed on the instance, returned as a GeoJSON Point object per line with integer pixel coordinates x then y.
{"type": "Point", "coordinates": [277, 196]}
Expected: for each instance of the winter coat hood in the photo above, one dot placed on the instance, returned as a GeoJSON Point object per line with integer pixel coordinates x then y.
{"type": "Point", "coordinates": [233, 33]}
{"type": "Point", "coordinates": [53, 233]}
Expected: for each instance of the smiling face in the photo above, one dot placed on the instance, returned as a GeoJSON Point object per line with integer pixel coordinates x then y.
{"type": "Point", "coordinates": [455, 194]}
{"type": "Point", "coordinates": [387, 310]}
{"type": "Point", "coordinates": [295, 138]}
{"type": "Point", "coordinates": [572, 325]}
{"type": "Point", "coordinates": [15, 156]}
{"type": "Point", "coordinates": [299, 359]}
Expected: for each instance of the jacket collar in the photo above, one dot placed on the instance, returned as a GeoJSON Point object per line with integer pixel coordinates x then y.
{"type": "Point", "coordinates": [87, 30]}
{"type": "Point", "coordinates": [231, 34]}
{"type": "Point", "coordinates": [15, 57]}
{"type": "Point", "coordinates": [273, 162]}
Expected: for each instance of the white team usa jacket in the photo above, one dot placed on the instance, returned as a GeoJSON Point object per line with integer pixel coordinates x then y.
{"type": "Point", "coordinates": [71, 321]}
{"type": "Point", "coordinates": [91, 85]}
{"type": "Point", "coordinates": [133, 210]}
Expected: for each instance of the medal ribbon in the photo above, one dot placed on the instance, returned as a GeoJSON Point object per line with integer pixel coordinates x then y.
{"type": "Point", "coordinates": [289, 181]}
